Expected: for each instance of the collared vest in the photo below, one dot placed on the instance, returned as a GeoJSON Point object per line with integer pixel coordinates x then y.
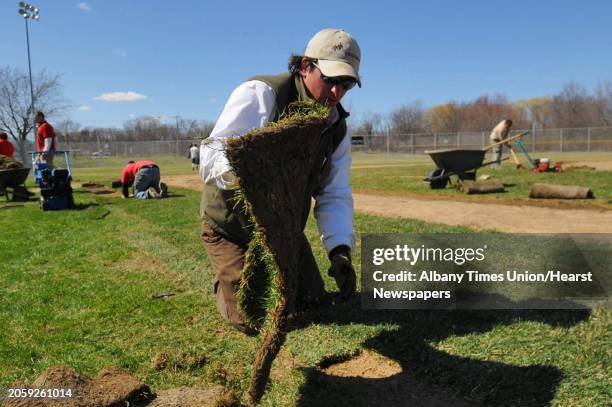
{"type": "Point", "coordinates": [219, 208]}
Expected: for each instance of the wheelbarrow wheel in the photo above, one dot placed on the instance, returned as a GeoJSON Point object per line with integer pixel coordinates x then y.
{"type": "Point", "coordinates": [439, 183]}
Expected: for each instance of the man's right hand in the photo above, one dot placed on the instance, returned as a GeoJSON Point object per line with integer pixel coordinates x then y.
{"type": "Point", "coordinates": [343, 272]}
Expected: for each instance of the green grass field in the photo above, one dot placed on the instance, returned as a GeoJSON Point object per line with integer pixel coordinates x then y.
{"type": "Point", "coordinates": [404, 173]}
{"type": "Point", "coordinates": [76, 290]}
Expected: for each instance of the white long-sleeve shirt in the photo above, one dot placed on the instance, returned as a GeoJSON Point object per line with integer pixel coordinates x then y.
{"type": "Point", "coordinates": [250, 106]}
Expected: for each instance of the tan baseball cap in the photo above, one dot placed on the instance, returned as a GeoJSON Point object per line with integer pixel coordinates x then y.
{"type": "Point", "coordinates": [337, 52]}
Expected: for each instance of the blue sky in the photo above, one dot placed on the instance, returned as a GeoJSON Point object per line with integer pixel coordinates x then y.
{"type": "Point", "coordinates": [185, 60]}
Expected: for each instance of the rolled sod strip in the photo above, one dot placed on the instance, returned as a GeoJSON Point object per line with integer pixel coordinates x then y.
{"type": "Point", "coordinates": [275, 166]}
{"type": "Point", "coordinates": [480, 187]}
{"type": "Point", "coordinates": [553, 191]}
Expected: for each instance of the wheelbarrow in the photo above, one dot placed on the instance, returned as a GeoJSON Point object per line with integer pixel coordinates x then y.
{"type": "Point", "coordinates": [460, 162]}
{"type": "Point", "coordinates": [12, 184]}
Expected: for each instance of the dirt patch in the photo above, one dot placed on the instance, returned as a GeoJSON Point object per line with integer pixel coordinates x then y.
{"type": "Point", "coordinates": [191, 181]}
{"type": "Point", "coordinates": [587, 165]}
{"type": "Point", "coordinates": [92, 185]}
{"type": "Point", "coordinates": [508, 215]}
{"type": "Point", "coordinates": [113, 387]}
{"type": "Point", "coordinates": [187, 397]}
{"type": "Point", "coordinates": [370, 379]}
{"type": "Point", "coordinates": [367, 364]}
{"type": "Point", "coordinates": [97, 188]}
{"type": "Point", "coordinates": [484, 216]}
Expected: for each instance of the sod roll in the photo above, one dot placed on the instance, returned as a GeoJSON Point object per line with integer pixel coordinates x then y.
{"type": "Point", "coordinates": [480, 186]}
{"type": "Point", "coordinates": [553, 191]}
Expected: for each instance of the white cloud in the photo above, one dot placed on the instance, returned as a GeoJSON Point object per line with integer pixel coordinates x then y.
{"type": "Point", "coordinates": [83, 6]}
{"type": "Point", "coordinates": [120, 97]}
{"type": "Point", "coordinates": [84, 108]}
{"type": "Point", "coordinates": [121, 52]}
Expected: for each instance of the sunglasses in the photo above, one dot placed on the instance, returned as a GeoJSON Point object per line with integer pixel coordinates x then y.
{"type": "Point", "coordinates": [346, 82]}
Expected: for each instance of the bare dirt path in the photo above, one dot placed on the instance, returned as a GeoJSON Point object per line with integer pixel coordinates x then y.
{"type": "Point", "coordinates": [511, 218]}
{"type": "Point", "coordinates": [504, 218]}
{"type": "Point", "coordinates": [597, 165]}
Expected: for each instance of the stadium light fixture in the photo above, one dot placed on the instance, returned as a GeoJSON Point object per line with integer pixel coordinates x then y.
{"type": "Point", "coordinates": [28, 11]}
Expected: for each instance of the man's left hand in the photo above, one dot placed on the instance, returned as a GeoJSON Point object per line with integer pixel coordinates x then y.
{"type": "Point", "coordinates": [343, 272]}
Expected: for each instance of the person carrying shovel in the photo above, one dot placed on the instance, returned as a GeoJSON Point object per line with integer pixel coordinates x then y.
{"type": "Point", "coordinates": [327, 70]}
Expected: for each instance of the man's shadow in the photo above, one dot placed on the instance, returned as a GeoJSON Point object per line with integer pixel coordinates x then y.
{"type": "Point", "coordinates": [431, 377]}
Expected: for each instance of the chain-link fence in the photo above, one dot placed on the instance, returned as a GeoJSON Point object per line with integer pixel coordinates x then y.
{"type": "Point", "coordinates": [564, 140]}
{"type": "Point", "coordinates": [128, 149]}
{"type": "Point", "coordinates": [541, 140]}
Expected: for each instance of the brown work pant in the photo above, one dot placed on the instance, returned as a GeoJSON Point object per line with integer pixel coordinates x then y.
{"type": "Point", "coordinates": [227, 259]}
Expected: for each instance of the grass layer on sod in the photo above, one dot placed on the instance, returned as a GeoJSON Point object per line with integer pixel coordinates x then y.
{"type": "Point", "coordinates": [76, 288]}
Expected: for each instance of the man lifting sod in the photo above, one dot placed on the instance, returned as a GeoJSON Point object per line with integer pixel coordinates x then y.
{"type": "Point", "coordinates": [327, 70]}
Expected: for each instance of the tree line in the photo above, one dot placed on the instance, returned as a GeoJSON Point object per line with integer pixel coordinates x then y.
{"type": "Point", "coordinates": [143, 128]}
{"type": "Point", "coordinates": [573, 106]}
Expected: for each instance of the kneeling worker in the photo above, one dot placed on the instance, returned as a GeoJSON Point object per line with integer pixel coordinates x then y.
{"type": "Point", "coordinates": [145, 177]}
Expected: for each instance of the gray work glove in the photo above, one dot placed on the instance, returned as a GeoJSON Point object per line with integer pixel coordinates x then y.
{"type": "Point", "coordinates": [343, 272]}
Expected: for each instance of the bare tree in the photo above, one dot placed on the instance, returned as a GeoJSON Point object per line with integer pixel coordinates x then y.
{"type": "Point", "coordinates": [149, 128]}
{"type": "Point", "coordinates": [572, 107]}
{"type": "Point", "coordinates": [370, 123]}
{"type": "Point", "coordinates": [408, 118]}
{"type": "Point", "coordinates": [188, 127]}
{"type": "Point", "coordinates": [191, 129]}
{"type": "Point", "coordinates": [603, 103]}
{"type": "Point", "coordinates": [66, 129]}
{"type": "Point", "coordinates": [205, 128]}
{"type": "Point", "coordinates": [16, 116]}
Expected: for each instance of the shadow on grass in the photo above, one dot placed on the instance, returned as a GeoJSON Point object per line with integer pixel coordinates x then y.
{"type": "Point", "coordinates": [431, 377]}
{"type": "Point", "coordinates": [82, 207]}
{"type": "Point", "coordinates": [12, 206]}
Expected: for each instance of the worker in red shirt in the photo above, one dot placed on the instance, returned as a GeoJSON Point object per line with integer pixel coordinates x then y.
{"type": "Point", "coordinates": [45, 138]}
{"type": "Point", "coordinates": [6, 147]}
{"type": "Point", "coordinates": [145, 177]}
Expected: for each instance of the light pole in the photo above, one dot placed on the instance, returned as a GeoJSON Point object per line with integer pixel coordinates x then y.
{"type": "Point", "coordinates": [28, 11]}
